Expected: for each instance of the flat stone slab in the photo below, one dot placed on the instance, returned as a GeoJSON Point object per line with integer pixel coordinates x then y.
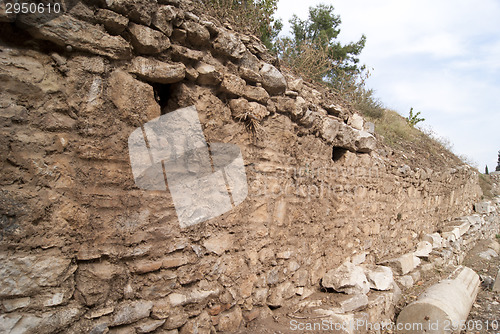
{"type": "Point", "coordinates": [403, 264]}
{"type": "Point", "coordinates": [484, 207]}
{"type": "Point", "coordinates": [354, 303]}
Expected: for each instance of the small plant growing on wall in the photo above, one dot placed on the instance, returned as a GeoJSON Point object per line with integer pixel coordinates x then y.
{"type": "Point", "coordinates": [414, 119]}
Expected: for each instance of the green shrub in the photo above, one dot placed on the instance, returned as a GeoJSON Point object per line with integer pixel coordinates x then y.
{"type": "Point", "coordinates": [414, 119]}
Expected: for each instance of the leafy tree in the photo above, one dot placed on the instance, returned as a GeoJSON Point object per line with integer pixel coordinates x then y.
{"type": "Point", "coordinates": [414, 119]}
{"type": "Point", "coordinates": [316, 39]}
{"type": "Point", "coordinates": [486, 170]}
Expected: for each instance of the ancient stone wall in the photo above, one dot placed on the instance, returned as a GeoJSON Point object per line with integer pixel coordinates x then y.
{"type": "Point", "coordinates": [83, 249]}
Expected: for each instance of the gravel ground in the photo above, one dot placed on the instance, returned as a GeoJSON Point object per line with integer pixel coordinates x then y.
{"type": "Point", "coordinates": [485, 314]}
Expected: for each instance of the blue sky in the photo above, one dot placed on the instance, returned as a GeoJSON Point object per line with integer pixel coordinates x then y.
{"type": "Point", "coordinates": [440, 57]}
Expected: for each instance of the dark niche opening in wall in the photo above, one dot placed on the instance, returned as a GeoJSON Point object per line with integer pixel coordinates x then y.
{"type": "Point", "coordinates": [163, 92]}
{"type": "Point", "coordinates": [338, 153]}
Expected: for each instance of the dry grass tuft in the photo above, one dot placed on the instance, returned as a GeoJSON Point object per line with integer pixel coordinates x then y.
{"type": "Point", "coordinates": [251, 123]}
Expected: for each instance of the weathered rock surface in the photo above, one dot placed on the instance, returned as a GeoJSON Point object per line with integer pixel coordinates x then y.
{"type": "Point", "coordinates": [130, 312]}
{"type": "Point", "coordinates": [25, 275]}
{"type": "Point", "coordinates": [279, 294]}
{"type": "Point", "coordinates": [138, 11]}
{"type": "Point", "coordinates": [242, 109]}
{"type": "Point", "coordinates": [406, 281]}
{"type": "Point", "coordinates": [163, 18]}
{"type": "Point", "coordinates": [230, 321]}
{"type": "Point", "coordinates": [356, 121]}
{"type": "Point", "coordinates": [69, 31]}
{"type": "Point", "coordinates": [114, 23]}
{"type": "Point", "coordinates": [484, 207]}
{"type": "Point", "coordinates": [183, 53]}
{"type": "Point", "coordinates": [434, 239]}
{"type": "Point", "coordinates": [424, 248]}
{"type": "Point", "coordinates": [404, 264]}
{"type": "Point", "coordinates": [354, 303]}
{"type": "Point", "coordinates": [229, 45]}
{"type": "Point", "coordinates": [148, 41]}
{"type": "Point", "coordinates": [272, 79]}
{"type": "Point", "coordinates": [289, 106]}
{"type": "Point", "coordinates": [197, 34]}
{"type": "Point", "coordinates": [296, 85]}
{"type": "Point", "coordinates": [347, 278]}
{"type": "Point", "coordinates": [44, 323]}
{"type": "Point", "coordinates": [219, 244]}
{"type": "Point", "coordinates": [133, 98]}
{"type": "Point", "coordinates": [379, 277]}
{"type": "Point", "coordinates": [208, 74]}
{"type": "Point", "coordinates": [156, 71]}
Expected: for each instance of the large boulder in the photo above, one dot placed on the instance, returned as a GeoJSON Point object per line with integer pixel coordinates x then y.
{"type": "Point", "coordinates": [230, 320]}
{"type": "Point", "coordinates": [364, 141]}
{"type": "Point", "coordinates": [249, 67]}
{"type": "Point", "coordinates": [289, 106]}
{"type": "Point", "coordinates": [329, 128]}
{"type": "Point", "coordinates": [356, 121]}
{"type": "Point", "coordinates": [258, 94]}
{"type": "Point", "coordinates": [335, 132]}
{"type": "Point", "coordinates": [232, 84]}
{"type": "Point", "coordinates": [403, 264]}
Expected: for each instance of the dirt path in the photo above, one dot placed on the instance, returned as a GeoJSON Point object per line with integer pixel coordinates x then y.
{"type": "Point", "coordinates": [485, 314]}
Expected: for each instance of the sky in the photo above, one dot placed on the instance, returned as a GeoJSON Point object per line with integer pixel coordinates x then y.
{"type": "Point", "coordinates": [440, 57]}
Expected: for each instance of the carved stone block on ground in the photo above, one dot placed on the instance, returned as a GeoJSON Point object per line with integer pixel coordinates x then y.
{"type": "Point", "coordinates": [403, 264]}
{"type": "Point", "coordinates": [379, 277]}
{"type": "Point", "coordinates": [347, 278]}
